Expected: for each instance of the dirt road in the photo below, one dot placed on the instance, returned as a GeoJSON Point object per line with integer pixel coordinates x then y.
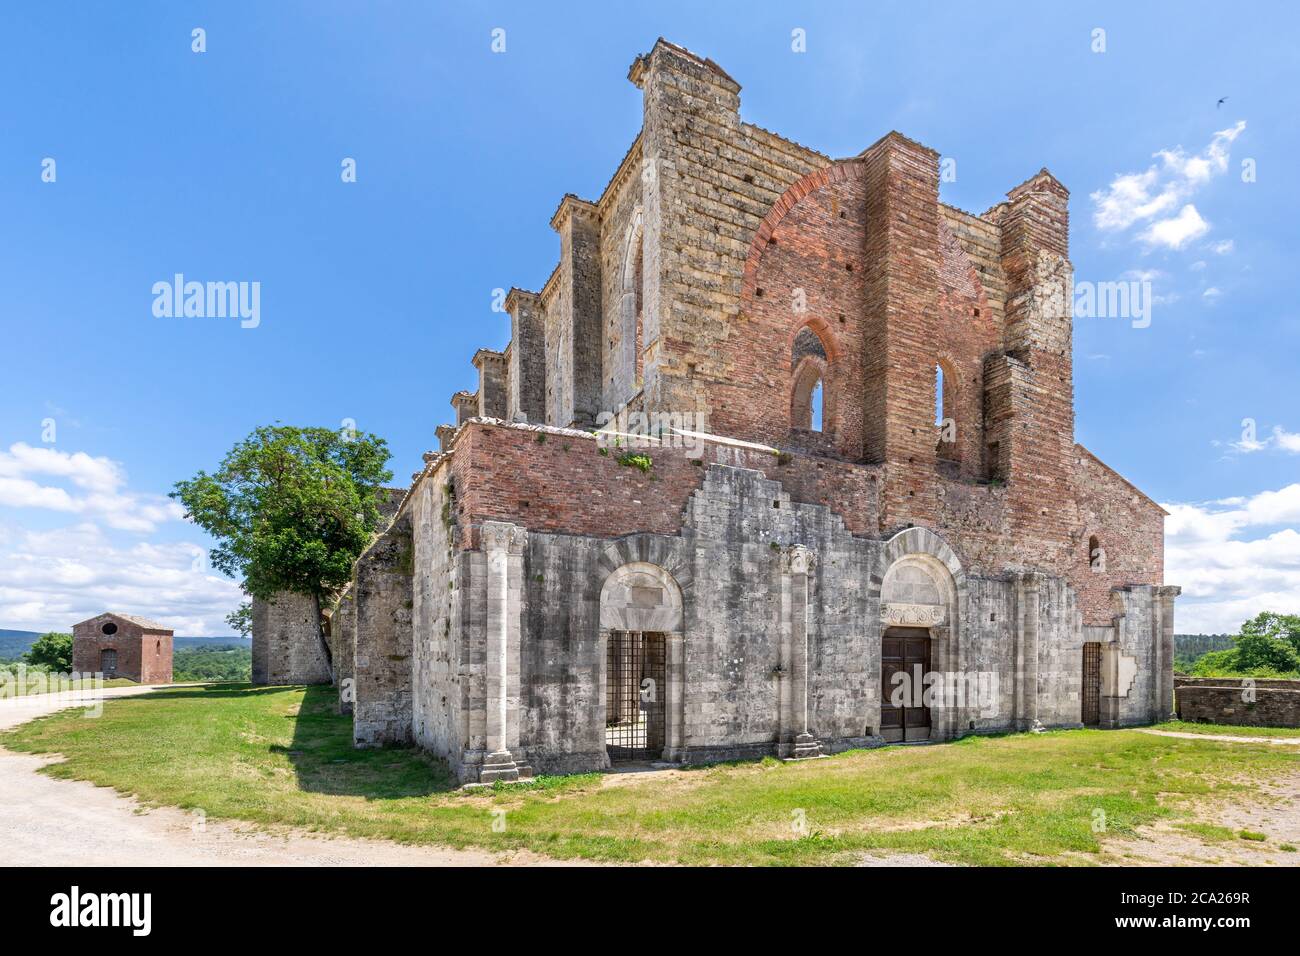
{"type": "Point", "coordinates": [47, 822]}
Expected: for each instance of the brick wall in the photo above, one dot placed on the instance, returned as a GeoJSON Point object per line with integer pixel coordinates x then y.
{"type": "Point", "coordinates": [554, 480]}
{"type": "Point", "coordinates": [143, 655]}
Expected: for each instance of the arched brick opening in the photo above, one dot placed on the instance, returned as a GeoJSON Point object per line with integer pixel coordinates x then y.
{"type": "Point", "coordinates": [808, 391]}
{"type": "Point", "coordinates": [1096, 555]}
{"type": "Point", "coordinates": [947, 405]}
{"type": "Point", "coordinates": [813, 386]}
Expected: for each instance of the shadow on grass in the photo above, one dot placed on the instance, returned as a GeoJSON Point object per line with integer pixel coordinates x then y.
{"type": "Point", "coordinates": [321, 751]}
{"type": "Point", "coordinates": [210, 691]}
{"type": "Point", "coordinates": [326, 761]}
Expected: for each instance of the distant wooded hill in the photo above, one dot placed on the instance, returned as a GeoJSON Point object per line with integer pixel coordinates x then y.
{"type": "Point", "coordinates": [1190, 647]}
{"type": "Point", "coordinates": [14, 644]}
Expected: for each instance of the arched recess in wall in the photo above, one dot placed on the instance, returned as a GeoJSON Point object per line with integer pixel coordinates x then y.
{"type": "Point", "coordinates": [628, 360]}
{"type": "Point", "coordinates": [643, 599]}
{"type": "Point", "coordinates": [811, 373]}
{"type": "Point", "coordinates": [946, 411]}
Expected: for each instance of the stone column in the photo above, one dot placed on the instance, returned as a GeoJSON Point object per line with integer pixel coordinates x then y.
{"type": "Point", "coordinates": [1027, 607]}
{"type": "Point", "coordinates": [1162, 707]}
{"type": "Point", "coordinates": [674, 697]}
{"type": "Point", "coordinates": [798, 563]}
{"type": "Point", "coordinates": [503, 544]}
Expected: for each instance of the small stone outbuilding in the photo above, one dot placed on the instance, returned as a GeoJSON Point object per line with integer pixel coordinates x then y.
{"type": "Point", "coordinates": [123, 645]}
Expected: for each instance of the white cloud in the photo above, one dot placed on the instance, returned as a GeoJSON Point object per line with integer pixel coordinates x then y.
{"type": "Point", "coordinates": [93, 474]}
{"type": "Point", "coordinates": [1153, 195]}
{"type": "Point", "coordinates": [1211, 293]}
{"type": "Point", "coordinates": [1129, 199]}
{"type": "Point", "coordinates": [1281, 439]}
{"type": "Point", "coordinates": [1228, 575]}
{"type": "Point", "coordinates": [1248, 446]}
{"type": "Point", "coordinates": [97, 488]}
{"type": "Point", "coordinates": [1177, 231]}
{"type": "Point", "coordinates": [1285, 440]}
{"type": "Point", "coordinates": [53, 579]}
{"type": "Point", "coordinates": [1223, 248]}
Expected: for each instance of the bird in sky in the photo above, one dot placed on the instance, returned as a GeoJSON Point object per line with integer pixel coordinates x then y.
{"type": "Point", "coordinates": [1222, 100]}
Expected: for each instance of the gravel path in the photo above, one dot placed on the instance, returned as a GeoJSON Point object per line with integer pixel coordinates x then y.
{"type": "Point", "coordinates": [48, 822]}
{"type": "Point", "coordinates": [1230, 738]}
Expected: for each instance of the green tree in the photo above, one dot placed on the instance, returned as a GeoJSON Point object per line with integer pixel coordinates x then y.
{"type": "Point", "coordinates": [52, 650]}
{"type": "Point", "coordinates": [241, 619]}
{"type": "Point", "coordinates": [290, 508]}
{"type": "Point", "coordinates": [1259, 652]}
{"type": "Point", "coordinates": [1284, 627]}
{"type": "Point", "coordinates": [1216, 664]}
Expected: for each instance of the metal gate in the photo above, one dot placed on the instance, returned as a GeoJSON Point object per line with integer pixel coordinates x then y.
{"type": "Point", "coordinates": [108, 663]}
{"type": "Point", "coordinates": [1091, 695]}
{"type": "Point", "coordinates": [904, 650]}
{"type": "Point", "coordinates": [634, 695]}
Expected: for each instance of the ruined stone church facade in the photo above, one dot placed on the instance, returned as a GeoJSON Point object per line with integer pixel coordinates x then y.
{"type": "Point", "coordinates": [860, 515]}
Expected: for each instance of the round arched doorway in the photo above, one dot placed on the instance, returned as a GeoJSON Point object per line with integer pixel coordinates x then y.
{"type": "Point", "coordinates": [641, 652]}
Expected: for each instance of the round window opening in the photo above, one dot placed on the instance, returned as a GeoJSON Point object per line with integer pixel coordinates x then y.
{"type": "Point", "coordinates": [109, 628]}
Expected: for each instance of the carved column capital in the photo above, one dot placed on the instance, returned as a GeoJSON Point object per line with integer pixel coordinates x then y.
{"type": "Point", "coordinates": [798, 559]}
{"type": "Point", "coordinates": [502, 536]}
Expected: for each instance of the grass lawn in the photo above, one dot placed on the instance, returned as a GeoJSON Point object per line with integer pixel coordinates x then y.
{"type": "Point", "coordinates": [48, 685]}
{"type": "Point", "coordinates": [280, 756]}
{"type": "Point", "coordinates": [1228, 730]}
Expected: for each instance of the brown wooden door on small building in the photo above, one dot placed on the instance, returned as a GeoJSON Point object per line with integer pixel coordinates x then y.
{"type": "Point", "coordinates": [108, 663]}
{"type": "Point", "coordinates": [904, 650]}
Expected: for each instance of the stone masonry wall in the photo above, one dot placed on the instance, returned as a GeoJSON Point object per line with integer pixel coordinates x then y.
{"type": "Point", "coordinates": [710, 182]}
{"type": "Point", "coordinates": [343, 647]}
{"type": "Point", "coordinates": [622, 276]}
{"type": "Point", "coordinates": [727, 556]}
{"type": "Point", "coordinates": [526, 375]}
{"type": "Point", "coordinates": [438, 645]}
{"type": "Point", "coordinates": [382, 713]}
{"type": "Point", "coordinates": [287, 647]}
{"type": "Point", "coordinates": [1258, 703]}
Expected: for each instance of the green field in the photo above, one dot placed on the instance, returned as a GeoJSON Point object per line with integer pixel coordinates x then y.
{"type": "Point", "coordinates": [281, 756]}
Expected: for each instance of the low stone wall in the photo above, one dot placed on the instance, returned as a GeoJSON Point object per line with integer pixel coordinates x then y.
{"type": "Point", "coordinates": [1252, 702]}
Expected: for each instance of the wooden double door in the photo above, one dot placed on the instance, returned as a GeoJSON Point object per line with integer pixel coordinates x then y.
{"type": "Point", "coordinates": [903, 716]}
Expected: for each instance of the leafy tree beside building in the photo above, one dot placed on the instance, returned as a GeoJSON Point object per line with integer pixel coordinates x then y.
{"type": "Point", "coordinates": [290, 508]}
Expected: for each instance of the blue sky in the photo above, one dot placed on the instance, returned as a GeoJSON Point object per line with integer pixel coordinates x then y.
{"type": "Point", "coordinates": [225, 165]}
